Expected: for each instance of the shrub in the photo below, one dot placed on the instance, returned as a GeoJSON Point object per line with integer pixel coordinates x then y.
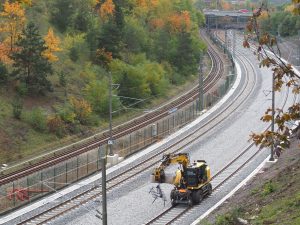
{"type": "Point", "coordinates": [67, 115]}
{"type": "Point", "coordinates": [82, 109]}
{"type": "Point", "coordinates": [74, 54]}
{"type": "Point", "coordinates": [92, 120]}
{"type": "Point", "coordinates": [229, 218]}
{"type": "Point", "coordinates": [62, 79]}
{"type": "Point", "coordinates": [37, 119]}
{"type": "Point", "coordinates": [17, 105]}
{"type": "Point", "coordinates": [268, 188]}
{"type": "Point", "coordinates": [56, 125]}
{"type": "Point", "coordinates": [22, 89]}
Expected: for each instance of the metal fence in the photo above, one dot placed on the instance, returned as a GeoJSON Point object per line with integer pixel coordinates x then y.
{"type": "Point", "coordinates": [38, 184]}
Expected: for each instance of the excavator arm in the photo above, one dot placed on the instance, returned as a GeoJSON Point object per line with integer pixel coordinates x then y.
{"type": "Point", "coordinates": [168, 159]}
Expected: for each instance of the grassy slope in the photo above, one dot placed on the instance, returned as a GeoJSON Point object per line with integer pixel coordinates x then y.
{"type": "Point", "coordinates": [272, 197]}
{"type": "Point", "coordinates": [18, 140]}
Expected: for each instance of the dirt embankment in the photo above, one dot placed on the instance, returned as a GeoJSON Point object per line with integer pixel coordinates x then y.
{"type": "Point", "coordinates": [271, 197]}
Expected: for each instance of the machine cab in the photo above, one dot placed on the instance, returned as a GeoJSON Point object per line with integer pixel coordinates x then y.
{"type": "Point", "coordinates": [197, 174]}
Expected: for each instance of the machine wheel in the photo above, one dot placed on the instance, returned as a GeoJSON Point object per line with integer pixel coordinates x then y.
{"type": "Point", "coordinates": [172, 194]}
{"type": "Point", "coordinates": [190, 201]}
{"type": "Point", "coordinates": [173, 202]}
{"type": "Point", "coordinates": [172, 197]}
{"type": "Point", "coordinates": [197, 196]}
{"type": "Point", "coordinates": [209, 189]}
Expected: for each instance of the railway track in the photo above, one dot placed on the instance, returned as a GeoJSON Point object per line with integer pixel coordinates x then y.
{"type": "Point", "coordinates": [148, 163]}
{"type": "Point", "coordinates": [174, 215]}
{"type": "Point", "coordinates": [215, 74]}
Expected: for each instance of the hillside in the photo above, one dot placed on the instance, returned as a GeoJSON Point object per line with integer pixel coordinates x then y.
{"type": "Point", "coordinates": [56, 60]}
{"type": "Point", "coordinates": [271, 197]}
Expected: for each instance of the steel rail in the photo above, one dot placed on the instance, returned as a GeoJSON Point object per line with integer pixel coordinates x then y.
{"type": "Point", "coordinates": [182, 212]}
{"type": "Point", "coordinates": [210, 81]}
{"type": "Point", "coordinates": [146, 164]}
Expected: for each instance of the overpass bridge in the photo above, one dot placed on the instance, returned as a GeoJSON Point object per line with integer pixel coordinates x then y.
{"type": "Point", "coordinates": [216, 19]}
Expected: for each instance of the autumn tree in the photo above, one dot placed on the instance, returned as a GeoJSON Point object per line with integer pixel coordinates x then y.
{"type": "Point", "coordinates": [81, 108]}
{"type": "Point", "coordinates": [56, 125]}
{"type": "Point", "coordinates": [107, 9]}
{"type": "Point", "coordinates": [12, 21]}
{"type": "Point", "coordinates": [29, 64]}
{"type": "Point", "coordinates": [52, 45]}
{"type": "Point", "coordinates": [283, 76]}
{"type": "Point", "coordinates": [5, 50]}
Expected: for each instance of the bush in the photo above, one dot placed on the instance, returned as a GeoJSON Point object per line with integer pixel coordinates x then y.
{"type": "Point", "coordinates": [229, 218]}
{"type": "Point", "coordinates": [81, 108]}
{"type": "Point", "coordinates": [74, 54]}
{"type": "Point", "coordinates": [268, 188]}
{"type": "Point", "coordinates": [37, 119]}
{"type": "Point", "coordinates": [92, 120]}
{"type": "Point", "coordinates": [62, 79]}
{"type": "Point", "coordinates": [17, 105]}
{"type": "Point", "coordinates": [22, 89]}
{"type": "Point", "coordinates": [67, 115]}
{"type": "Point", "coordinates": [56, 125]}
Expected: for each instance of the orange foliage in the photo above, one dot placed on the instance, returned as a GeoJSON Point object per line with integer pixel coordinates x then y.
{"type": "Point", "coordinates": [142, 3]}
{"type": "Point", "coordinates": [52, 43]}
{"type": "Point", "coordinates": [81, 108]}
{"type": "Point", "coordinates": [157, 23]}
{"type": "Point", "coordinates": [226, 5]}
{"type": "Point", "coordinates": [180, 22]}
{"type": "Point", "coordinates": [175, 22]}
{"type": "Point", "coordinates": [55, 123]}
{"type": "Point", "coordinates": [4, 52]}
{"type": "Point", "coordinates": [186, 19]}
{"type": "Point", "coordinates": [154, 3]}
{"type": "Point", "coordinates": [107, 9]}
{"type": "Point", "coordinates": [146, 5]}
{"type": "Point", "coordinates": [14, 19]}
{"type": "Point", "coordinates": [263, 15]}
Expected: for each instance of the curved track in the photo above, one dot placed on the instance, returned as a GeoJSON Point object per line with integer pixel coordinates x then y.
{"type": "Point", "coordinates": [151, 160]}
{"type": "Point", "coordinates": [173, 215]}
{"type": "Point", "coordinates": [215, 74]}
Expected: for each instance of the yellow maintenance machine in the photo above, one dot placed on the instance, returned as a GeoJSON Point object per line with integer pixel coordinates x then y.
{"type": "Point", "coordinates": [191, 181]}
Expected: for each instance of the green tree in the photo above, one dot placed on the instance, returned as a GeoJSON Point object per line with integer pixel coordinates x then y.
{"type": "Point", "coordinates": [165, 45]}
{"type": "Point", "coordinates": [96, 92]}
{"type": "Point", "coordinates": [187, 56]}
{"type": "Point", "coordinates": [61, 13]}
{"type": "Point", "coordinates": [111, 38]}
{"type": "Point", "coordinates": [29, 65]}
{"type": "Point", "coordinates": [132, 81]}
{"type": "Point", "coordinates": [135, 36]}
{"type": "Point", "coordinates": [287, 26]}
{"type": "Point", "coordinates": [111, 34]}
{"type": "Point", "coordinates": [3, 73]}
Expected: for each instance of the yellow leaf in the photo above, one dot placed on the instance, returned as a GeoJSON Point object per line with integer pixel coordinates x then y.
{"type": "Point", "coordinates": [52, 43]}
{"type": "Point", "coordinates": [266, 118]}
